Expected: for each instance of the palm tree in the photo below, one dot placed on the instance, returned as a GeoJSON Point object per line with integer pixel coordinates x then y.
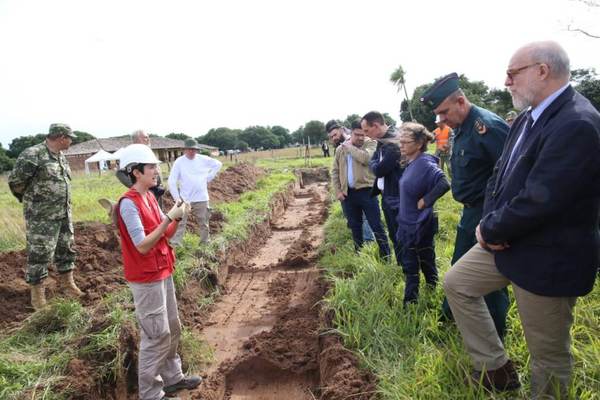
{"type": "Point", "coordinates": [397, 78]}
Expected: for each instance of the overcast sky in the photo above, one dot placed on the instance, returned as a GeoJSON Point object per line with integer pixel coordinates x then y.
{"type": "Point", "coordinates": [109, 67]}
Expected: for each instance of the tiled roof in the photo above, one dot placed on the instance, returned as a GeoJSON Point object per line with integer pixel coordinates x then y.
{"type": "Point", "coordinates": [114, 144]}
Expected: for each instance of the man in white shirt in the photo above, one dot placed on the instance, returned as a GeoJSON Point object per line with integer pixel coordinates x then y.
{"type": "Point", "coordinates": [188, 182]}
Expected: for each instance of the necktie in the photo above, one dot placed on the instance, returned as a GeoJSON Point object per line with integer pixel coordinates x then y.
{"type": "Point", "coordinates": [516, 152]}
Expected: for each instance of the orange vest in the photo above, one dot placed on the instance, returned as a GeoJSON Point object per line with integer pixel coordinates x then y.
{"type": "Point", "coordinates": [441, 137]}
{"type": "Point", "coordinates": [158, 263]}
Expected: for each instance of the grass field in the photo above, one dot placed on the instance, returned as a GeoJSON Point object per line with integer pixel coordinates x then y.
{"type": "Point", "coordinates": [86, 189]}
{"type": "Point", "coordinates": [413, 355]}
{"type": "Point", "coordinates": [37, 355]}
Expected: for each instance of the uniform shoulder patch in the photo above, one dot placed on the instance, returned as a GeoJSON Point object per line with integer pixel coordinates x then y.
{"type": "Point", "coordinates": [480, 127]}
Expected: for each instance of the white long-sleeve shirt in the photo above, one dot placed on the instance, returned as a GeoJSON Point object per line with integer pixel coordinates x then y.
{"type": "Point", "coordinates": [189, 178]}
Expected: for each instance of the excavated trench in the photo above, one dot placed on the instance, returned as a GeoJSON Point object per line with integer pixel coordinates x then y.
{"type": "Point", "coordinates": [270, 337]}
{"type": "Point", "coordinates": [267, 330]}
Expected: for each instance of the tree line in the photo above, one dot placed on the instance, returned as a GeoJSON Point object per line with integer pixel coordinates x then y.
{"type": "Point", "coordinates": [586, 81]}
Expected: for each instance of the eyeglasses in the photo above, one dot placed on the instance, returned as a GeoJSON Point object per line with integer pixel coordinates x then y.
{"type": "Point", "coordinates": [405, 142]}
{"type": "Point", "coordinates": [511, 73]}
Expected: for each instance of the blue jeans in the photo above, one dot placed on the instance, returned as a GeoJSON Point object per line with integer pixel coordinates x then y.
{"type": "Point", "coordinates": [356, 203]}
{"type": "Point", "coordinates": [390, 206]}
{"type": "Point", "coordinates": [415, 258]}
{"type": "Point", "coordinates": [367, 232]}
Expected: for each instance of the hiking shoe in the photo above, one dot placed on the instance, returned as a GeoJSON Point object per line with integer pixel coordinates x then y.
{"type": "Point", "coordinates": [502, 379]}
{"type": "Point", "coordinates": [191, 382]}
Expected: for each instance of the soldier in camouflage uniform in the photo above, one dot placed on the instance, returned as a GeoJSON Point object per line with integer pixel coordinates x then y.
{"type": "Point", "coordinates": [41, 180]}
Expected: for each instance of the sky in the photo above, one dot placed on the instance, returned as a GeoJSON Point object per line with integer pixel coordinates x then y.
{"type": "Point", "coordinates": [108, 67]}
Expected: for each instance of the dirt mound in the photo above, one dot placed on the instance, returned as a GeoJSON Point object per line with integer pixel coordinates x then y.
{"type": "Point", "coordinates": [98, 271]}
{"type": "Point", "coordinates": [340, 375]}
{"type": "Point", "coordinates": [301, 252]}
{"type": "Point", "coordinates": [235, 180]}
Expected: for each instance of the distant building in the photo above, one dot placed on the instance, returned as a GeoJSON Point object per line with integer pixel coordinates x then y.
{"type": "Point", "coordinates": [167, 150]}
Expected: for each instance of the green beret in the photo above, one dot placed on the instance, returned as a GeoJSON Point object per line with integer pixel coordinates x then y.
{"type": "Point", "coordinates": [441, 89]}
{"type": "Point", "coordinates": [61, 129]}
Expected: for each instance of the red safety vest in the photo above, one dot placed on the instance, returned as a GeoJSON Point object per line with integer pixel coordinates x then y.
{"type": "Point", "coordinates": [159, 262]}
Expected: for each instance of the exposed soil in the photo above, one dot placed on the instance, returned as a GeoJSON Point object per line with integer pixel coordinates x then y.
{"type": "Point", "coordinates": [267, 328]}
{"type": "Point", "coordinates": [269, 335]}
{"type": "Point", "coordinates": [99, 265]}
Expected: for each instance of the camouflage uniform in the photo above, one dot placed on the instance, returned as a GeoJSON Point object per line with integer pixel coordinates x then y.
{"type": "Point", "coordinates": [41, 180]}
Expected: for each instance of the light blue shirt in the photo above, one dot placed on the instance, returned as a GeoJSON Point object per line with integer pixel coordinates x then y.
{"type": "Point", "coordinates": [350, 171]}
{"type": "Point", "coordinates": [536, 112]}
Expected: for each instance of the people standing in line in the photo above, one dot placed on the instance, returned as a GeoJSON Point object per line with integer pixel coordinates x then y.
{"type": "Point", "coordinates": [188, 181]}
{"type": "Point", "coordinates": [148, 262]}
{"type": "Point", "coordinates": [325, 148]}
{"type": "Point", "coordinates": [41, 180]}
{"type": "Point", "coordinates": [443, 140]}
{"type": "Point", "coordinates": [421, 184]}
{"type": "Point", "coordinates": [385, 165]}
{"type": "Point", "coordinates": [479, 137]}
{"type": "Point", "coordinates": [337, 135]}
{"type": "Point", "coordinates": [352, 181]}
{"type": "Point", "coordinates": [539, 232]}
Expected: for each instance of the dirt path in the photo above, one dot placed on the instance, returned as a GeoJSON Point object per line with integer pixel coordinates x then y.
{"type": "Point", "coordinates": [278, 280]}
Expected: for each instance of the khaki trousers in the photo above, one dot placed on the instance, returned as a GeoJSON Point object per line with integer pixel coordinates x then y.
{"type": "Point", "coordinates": [200, 210]}
{"type": "Point", "coordinates": [546, 323]}
{"type": "Point", "coordinates": [156, 312]}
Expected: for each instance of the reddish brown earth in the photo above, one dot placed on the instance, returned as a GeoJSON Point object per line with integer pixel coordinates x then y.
{"type": "Point", "coordinates": [99, 265]}
{"type": "Point", "coordinates": [269, 336]}
{"type": "Point", "coordinates": [270, 339]}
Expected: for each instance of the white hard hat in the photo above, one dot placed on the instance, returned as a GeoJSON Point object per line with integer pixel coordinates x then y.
{"type": "Point", "coordinates": [137, 153]}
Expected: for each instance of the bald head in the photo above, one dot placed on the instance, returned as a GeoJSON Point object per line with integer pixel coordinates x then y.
{"type": "Point", "coordinates": [553, 55]}
{"type": "Point", "coordinates": [535, 71]}
{"type": "Point", "coordinates": [140, 136]}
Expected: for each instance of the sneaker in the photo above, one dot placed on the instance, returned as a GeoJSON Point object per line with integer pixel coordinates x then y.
{"type": "Point", "coordinates": [191, 382]}
{"type": "Point", "coordinates": [170, 398]}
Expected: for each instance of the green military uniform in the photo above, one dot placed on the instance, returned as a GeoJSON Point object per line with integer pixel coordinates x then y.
{"type": "Point", "coordinates": [41, 180]}
{"type": "Point", "coordinates": [478, 144]}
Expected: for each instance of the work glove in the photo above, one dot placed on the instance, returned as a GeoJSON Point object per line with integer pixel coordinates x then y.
{"type": "Point", "coordinates": [176, 212]}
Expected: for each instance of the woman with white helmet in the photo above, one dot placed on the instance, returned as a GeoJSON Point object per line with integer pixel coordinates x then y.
{"type": "Point", "coordinates": [149, 261]}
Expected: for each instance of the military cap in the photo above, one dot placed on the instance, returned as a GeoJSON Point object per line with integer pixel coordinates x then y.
{"type": "Point", "coordinates": [191, 144]}
{"type": "Point", "coordinates": [441, 89]}
{"type": "Point", "coordinates": [331, 125]}
{"type": "Point", "coordinates": [61, 129]}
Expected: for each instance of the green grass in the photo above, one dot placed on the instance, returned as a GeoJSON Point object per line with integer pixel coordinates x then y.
{"type": "Point", "coordinates": [86, 190]}
{"type": "Point", "coordinates": [414, 356]}
{"type": "Point", "coordinates": [34, 358]}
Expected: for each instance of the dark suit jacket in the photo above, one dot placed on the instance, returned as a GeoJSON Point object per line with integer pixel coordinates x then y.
{"type": "Point", "coordinates": [547, 207]}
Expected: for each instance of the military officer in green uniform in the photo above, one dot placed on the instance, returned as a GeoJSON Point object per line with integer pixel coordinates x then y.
{"type": "Point", "coordinates": [479, 137]}
{"type": "Point", "coordinates": [41, 180]}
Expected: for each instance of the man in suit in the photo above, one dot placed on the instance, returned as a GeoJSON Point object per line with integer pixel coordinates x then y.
{"type": "Point", "coordinates": [539, 229]}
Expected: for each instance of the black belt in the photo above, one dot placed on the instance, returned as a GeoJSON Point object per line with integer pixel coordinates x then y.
{"type": "Point", "coordinates": [358, 190]}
